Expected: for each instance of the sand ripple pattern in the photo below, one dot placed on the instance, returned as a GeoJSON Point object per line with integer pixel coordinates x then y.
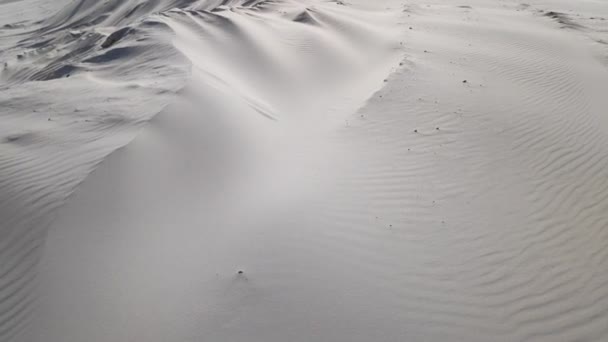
{"type": "Point", "coordinates": [491, 205]}
{"type": "Point", "coordinates": [68, 98]}
{"type": "Point", "coordinates": [466, 200]}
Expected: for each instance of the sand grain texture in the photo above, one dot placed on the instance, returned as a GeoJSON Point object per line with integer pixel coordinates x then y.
{"type": "Point", "coordinates": [303, 171]}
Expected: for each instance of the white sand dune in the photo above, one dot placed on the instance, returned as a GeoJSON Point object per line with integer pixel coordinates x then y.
{"type": "Point", "coordinates": [306, 171]}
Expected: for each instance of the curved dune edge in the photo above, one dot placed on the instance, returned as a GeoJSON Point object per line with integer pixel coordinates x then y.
{"type": "Point", "coordinates": [119, 63]}
{"type": "Point", "coordinates": [463, 201]}
{"type": "Point", "coordinates": [62, 114]}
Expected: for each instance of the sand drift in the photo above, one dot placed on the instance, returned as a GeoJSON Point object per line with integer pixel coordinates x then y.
{"type": "Point", "coordinates": [303, 171]}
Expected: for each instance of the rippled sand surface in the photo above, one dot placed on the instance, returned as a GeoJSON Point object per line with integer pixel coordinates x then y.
{"type": "Point", "coordinates": [303, 170]}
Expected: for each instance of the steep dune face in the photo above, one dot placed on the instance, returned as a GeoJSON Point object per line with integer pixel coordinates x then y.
{"type": "Point", "coordinates": [86, 13]}
{"type": "Point", "coordinates": [86, 37]}
{"type": "Point", "coordinates": [461, 200]}
{"type": "Point", "coordinates": [289, 58]}
{"type": "Point", "coordinates": [66, 102]}
{"type": "Point", "coordinates": [81, 84]}
{"type": "Point", "coordinates": [235, 162]}
{"type": "Point", "coordinates": [308, 171]}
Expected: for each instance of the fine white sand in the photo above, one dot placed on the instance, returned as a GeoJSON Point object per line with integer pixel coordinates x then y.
{"type": "Point", "coordinates": [303, 170]}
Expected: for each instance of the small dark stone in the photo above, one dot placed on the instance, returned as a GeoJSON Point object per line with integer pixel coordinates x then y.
{"type": "Point", "coordinates": [240, 272]}
{"type": "Point", "coordinates": [415, 131]}
{"type": "Point", "coordinates": [437, 128]}
{"type": "Point", "coordinates": [465, 81]}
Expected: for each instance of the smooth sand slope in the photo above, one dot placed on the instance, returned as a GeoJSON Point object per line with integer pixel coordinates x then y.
{"type": "Point", "coordinates": [309, 171]}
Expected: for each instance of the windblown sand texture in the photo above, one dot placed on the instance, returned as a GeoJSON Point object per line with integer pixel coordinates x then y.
{"type": "Point", "coordinates": [303, 170]}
